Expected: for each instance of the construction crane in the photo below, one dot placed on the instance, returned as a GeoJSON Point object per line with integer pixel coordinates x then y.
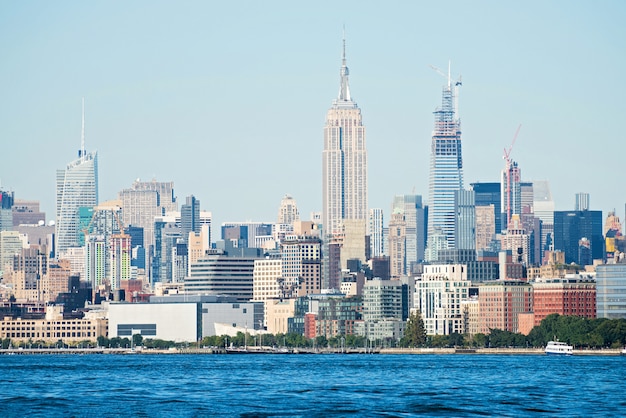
{"type": "Point", "coordinates": [507, 158]}
{"type": "Point", "coordinates": [457, 84]}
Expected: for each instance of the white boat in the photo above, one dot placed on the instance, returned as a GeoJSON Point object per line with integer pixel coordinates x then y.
{"type": "Point", "coordinates": [623, 352]}
{"type": "Point", "coordinates": [559, 348]}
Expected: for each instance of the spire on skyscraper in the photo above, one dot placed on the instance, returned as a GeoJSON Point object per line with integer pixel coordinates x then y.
{"type": "Point", "coordinates": [344, 90]}
{"type": "Point", "coordinates": [446, 164]}
{"type": "Point", "coordinates": [81, 152]}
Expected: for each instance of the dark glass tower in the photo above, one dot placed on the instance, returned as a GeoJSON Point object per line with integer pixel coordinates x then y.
{"type": "Point", "coordinates": [570, 227]}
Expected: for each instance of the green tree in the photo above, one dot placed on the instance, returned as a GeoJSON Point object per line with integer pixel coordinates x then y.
{"type": "Point", "coordinates": [137, 339]}
{"type": "Point", "coordinates": [414, 332]}
{"type": "Point", "coordinates": [321, 341]}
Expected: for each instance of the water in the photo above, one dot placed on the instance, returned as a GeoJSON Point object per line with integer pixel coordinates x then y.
{"type": "Point", "coordinates": [311, 385]}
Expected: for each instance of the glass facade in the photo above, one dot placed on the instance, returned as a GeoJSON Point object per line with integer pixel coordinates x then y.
{"type": "Point", "coordinates": [611, 291]}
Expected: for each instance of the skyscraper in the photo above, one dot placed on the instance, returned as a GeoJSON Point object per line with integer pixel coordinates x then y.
{"type": "Point", "coordinates": [288, 211]}
{"type": "Point", "coordinates": [6, 210]}
{"type": "Point", "coordinates": [344, 160]}
{"type": "Point", "coordinates": [490, 194]}
{"type": "Point", "coordinates": [375, 231]}
{"type": "Point", "coordinates": [190, 217]}
{"type": "Point", "coordinates": [465, 221]}
{"type": "Point", "coordinates": [571, 226]}
{"type": "Point", "coordinates": [145, 200]}
{"type": "Point", "coordinates": [543, 208]}
{"type": "Point", "coordinates": [511, 192]}
{"type": "Point", "coordinates": [77, 186]}
{"type": "Point", "coordinates": [446, 164]}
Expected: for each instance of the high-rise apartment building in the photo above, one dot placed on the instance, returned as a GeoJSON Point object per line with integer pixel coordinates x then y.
{"type": "Point", "coordinates": [344, 162]}
{"type": "Point", "coordinates": [511, 192]}
{"type": "Point", "coordinates": [438, 295]}
{"type": "Point", "coordinates": [446, 167]}
{"type": "Point", "coordinates": [465, 220]}
{"type": "Point", "coordinates": [411, 207]}
{"type": "Point", "coordinates": [145, 200]}
{"type": "Point", "coordinates": [397, 245]}
{"type": "Point", "coordinates": [301, 264]}
{"type": "Point", "coordinates": [76, 186]}
{"type": "Point", "coordinates": [375, 232]}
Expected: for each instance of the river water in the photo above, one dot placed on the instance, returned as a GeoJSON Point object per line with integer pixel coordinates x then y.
{"type": "Point", "coordinates": [145, 385]}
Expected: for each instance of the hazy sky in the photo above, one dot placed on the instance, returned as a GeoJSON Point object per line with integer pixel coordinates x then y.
{"type": "Point", "coordinates": [228, 99]}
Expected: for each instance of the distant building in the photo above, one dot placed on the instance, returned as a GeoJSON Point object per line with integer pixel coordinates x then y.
{"type": "Point", "coordinates": [76, 186]}
{"type": "Point", "coordinates": [438, 294]}
{"type": "Point", "coordinates": [6, 210]}
{"type": "Point", "coordinates": [611, 291]}
{"type": "Point", "coordinates": [142, 202]}
{"type": "Point", "coordinates": [336, 316]}
{"type": "Point", "coordinates": [465, 219]}
{"type": "Point", "coordinates": [182, 318]}
{"type": "Point", "coordinates": [344, 173]}
{"type": "Point", "coordinates": [386, 305]}
{"type": "Point", "coordinates": [446, 169]}
{"type": "Point", "coordinates": [487, 194]}
{"type": "Point", "coordinates": [397, 246]}
{"type": "Point", "coordinates": [571, 226]}
{"type": "Point", "coordinates": [501, 302]}
{"type": "Point", "coordinates": [569, 296]}
{"type": "Point", "coordinates": [220, 274]}
{"type": "Point", "coordinates": [485, 227]}
{"type": "Point", "coordinates": [375, 232]}
{"type": "Point", "coordinates": [415, 217]}
{"type": "Point", "coordinates": [470, 312]}
{"type": "Point", "coordinates": [301, 265]}
{"type": "Point", "coordinates": [54, 328]}
{"type": "Point", "coordinates": [288, 211]}
{"type": "Point", "coordinates": [27, 212]}
{"type": "Point", "coordinates": [543, 208]}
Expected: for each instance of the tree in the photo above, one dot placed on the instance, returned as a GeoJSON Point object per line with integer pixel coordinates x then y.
{"type": "Point", "coordinates": [414, 333]}
{"type": "Point", "coordinates": [137, 339]}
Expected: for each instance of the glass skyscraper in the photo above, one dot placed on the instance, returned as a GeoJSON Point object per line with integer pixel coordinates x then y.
{"type": "Point", "coordinates": [77, 186]}
{"type": "Point", "coordinates": [446, 164]}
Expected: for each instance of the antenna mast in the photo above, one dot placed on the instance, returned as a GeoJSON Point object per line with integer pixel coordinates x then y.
{"type": "Point", "coordinates": [82, 133]}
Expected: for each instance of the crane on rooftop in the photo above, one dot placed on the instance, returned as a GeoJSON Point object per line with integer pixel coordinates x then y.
{"type": "Point", "coordinates": [507, 158]}
{"type": "Point", "coordinates": [457, 84]}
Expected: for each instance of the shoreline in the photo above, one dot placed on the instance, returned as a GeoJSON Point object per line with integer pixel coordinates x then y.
{"type": "Point", "coordinates": [407, 351]}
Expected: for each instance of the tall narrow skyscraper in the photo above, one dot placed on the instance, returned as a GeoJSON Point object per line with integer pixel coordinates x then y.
{"type": "Point", "coordinates": [77, 186]}
{"type": "Point", "coordinates": [344, 165]}
{"type": "Point", "coordinates": [446, 164]}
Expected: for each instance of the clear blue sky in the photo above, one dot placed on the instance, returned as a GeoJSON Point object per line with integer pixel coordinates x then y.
{"type": "Point", "coordinates": [228, 99]}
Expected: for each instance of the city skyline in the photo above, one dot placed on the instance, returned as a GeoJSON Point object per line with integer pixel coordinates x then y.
{"type": "Point", "coordinates": [162, 105]}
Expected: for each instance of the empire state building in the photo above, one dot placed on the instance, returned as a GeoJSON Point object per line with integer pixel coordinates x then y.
{"type": "Point", "coordinates": [344, 161]}
{"type": "Point", "coordinates": [344, 183]}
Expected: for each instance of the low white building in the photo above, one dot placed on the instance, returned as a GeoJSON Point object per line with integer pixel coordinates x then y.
{"type": "Point", "coordinates": [182, 317]}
